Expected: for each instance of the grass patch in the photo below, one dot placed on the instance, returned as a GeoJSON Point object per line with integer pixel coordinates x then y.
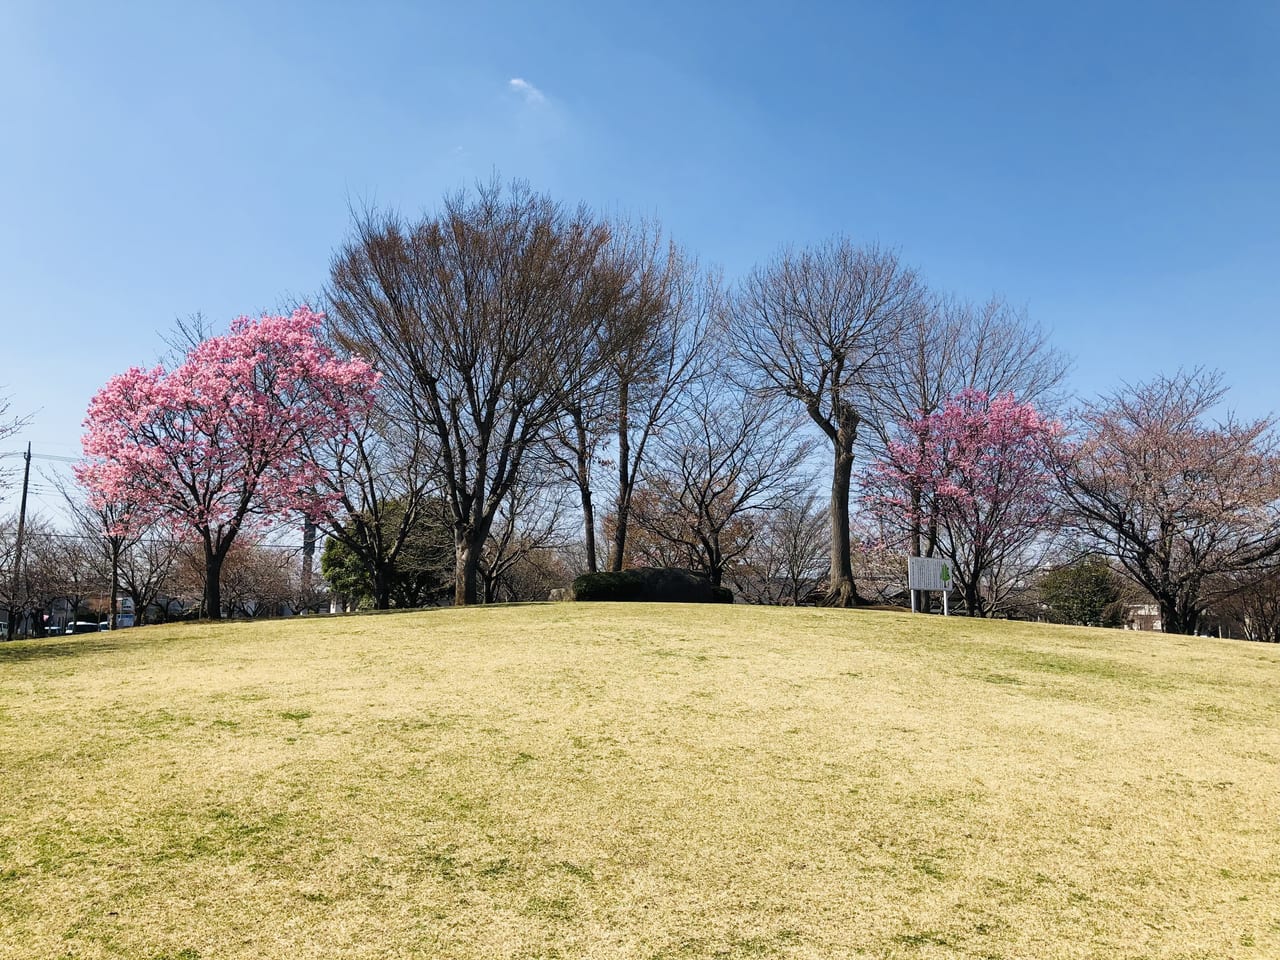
{"type": "Point", "coordinates": [638, 781]}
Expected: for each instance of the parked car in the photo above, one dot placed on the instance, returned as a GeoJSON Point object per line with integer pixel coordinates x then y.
{"type": "Point", "coordinates": [84, 626]}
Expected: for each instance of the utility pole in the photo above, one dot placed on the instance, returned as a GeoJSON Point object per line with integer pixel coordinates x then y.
{"type": "Point", "coordinates": [17, 546]}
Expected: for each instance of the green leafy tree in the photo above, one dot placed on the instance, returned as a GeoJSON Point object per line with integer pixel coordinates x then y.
{"type": "Point", "coordinates": [420, 573]}
{"type": "Point", "coordinates": [1085, 593]}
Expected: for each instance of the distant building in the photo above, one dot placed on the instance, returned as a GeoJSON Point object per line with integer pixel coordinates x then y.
{"type": "Point", "coordinates": [1142, 616]}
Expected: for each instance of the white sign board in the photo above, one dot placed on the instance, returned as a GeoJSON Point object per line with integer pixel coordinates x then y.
{"type": "Point", "coordinates": [928, 573]}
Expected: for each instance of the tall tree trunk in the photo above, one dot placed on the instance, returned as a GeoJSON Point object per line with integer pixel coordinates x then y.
{"type": "Point", "coordinates": [715, 570]}
{"type": "Point", "coordinates": [618, 548]}
{"type": "Point", "coordinates": [841, 591]}
{"type": "Point", "coordinates": [623, 507]}
{"type": "Point", "coordinates": [213, 583]}
{"type": "Point", "coordinates": [589, 527]}
{"type": "Point", "coordinates": [584, 488]}
{"type": "Point", "coordinates": [308, 559]}
{"type": "Point", "coordinates": [468, 544]}
{"type": "Point", "coordinates": [382, 586]}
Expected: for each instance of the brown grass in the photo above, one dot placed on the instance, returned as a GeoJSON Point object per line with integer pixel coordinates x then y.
{"type": "Point", "coordinates": [639, 781]}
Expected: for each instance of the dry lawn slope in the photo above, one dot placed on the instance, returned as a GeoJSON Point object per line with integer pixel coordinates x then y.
{"type": "Point", "coordinates": [639, 781]}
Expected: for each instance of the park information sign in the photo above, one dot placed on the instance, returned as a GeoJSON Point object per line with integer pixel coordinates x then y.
{"type": "Point", "coordinates": [929, 573]}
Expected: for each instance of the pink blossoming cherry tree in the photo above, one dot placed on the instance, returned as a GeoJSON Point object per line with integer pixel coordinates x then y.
{"type": "Point", "coordinates": [218, 444]}
{"type": "Point", "coordinates": [975, 478]}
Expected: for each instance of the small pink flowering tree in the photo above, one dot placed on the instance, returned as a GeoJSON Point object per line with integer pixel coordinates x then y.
{"type": "Point", "coordinates": [218, 444]}
{"type": "Point", "coordinates": [975, 477]}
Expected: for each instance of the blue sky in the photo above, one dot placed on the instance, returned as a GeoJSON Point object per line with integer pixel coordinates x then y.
{"type": "Point", "coordinates": [1114, 167]}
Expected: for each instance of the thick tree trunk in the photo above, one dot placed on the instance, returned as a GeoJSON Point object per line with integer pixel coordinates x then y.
{"type": "Point", "coordinates": [466, 586]}
{"type": "Point", "coordinates": [488, 588]}
{"type": "Point", "coordinates": [381, 586]}
{"type": "Point", "coordinates": [213, 584]}
{"type": "Point", "coordinates": [139, 609]}
{"type": "Point", "coordinates": [618, 548]}
{"type": "Point", "coordinates": [1177, 616]}
{"type": "Point", "coordinates": [715, 566]}
{"type": "Point", "coordinates": [841, 590]}
{"type": "Point", "coordinates": [589, 528]}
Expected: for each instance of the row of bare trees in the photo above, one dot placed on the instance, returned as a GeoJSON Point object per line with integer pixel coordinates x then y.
{"type": "Point", "coordinates": [564, 393]}
{"type": "Point", "coordinates": [528, 345]}
{"type": "Point", "coordinates": [79, 573]}
{"type": "Point", "coordinates": [518, 338]}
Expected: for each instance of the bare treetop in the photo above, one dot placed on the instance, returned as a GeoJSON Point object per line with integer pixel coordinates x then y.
{"type": "Point", "coordinates": [954, 345]}
{"type": "Point", "coordinates": [1178, 500]}
{"type": "Point", "coordinates": [483, 320]}
{"type": "Point", "coordinates": [820, 326]}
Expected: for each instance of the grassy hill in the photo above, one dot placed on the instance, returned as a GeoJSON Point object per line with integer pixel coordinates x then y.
{"type": "Point", "coordinates": [639, 781]}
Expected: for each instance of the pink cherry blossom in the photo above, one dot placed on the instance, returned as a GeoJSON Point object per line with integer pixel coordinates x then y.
{"type": "Point", "coordinates": [217, 445]}
{"type": "Point", "coordinates": [976, 472]}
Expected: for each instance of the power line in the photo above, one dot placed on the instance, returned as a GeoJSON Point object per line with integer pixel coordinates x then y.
{"type": "Point", "coordinates": [160, 540]}
{"type": "Point", "coordinates": [40, 456]}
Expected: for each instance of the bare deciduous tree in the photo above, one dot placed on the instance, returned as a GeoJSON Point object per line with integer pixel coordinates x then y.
{"type": "Point", "coordinates": [730, 459]}
{"type": "Point", "coordinates": [659, 352]}
{"type": "Point", "coordinates": [59, 571]}
{"type": "Point", "coordinates": [478, 319]}
{"type": "Point", "coordinates": [819, 326]}
{"type": "Point", "coordinates": [146, 571]}
{"type": "Point", "coordinates": [1251, 600]}
{"type": "Point", "coordinates": [654, 343]}
{"type": "Point", "coordinates": [789, 555]}
{"type": "Point", "coordinates": [111, 526]}
{"type": "Point", "coordinates": [1177, 500]}
{"type": "Point", "coordinates": [530, 524]}
{"type": "Point", "coordinates": [9, 426]}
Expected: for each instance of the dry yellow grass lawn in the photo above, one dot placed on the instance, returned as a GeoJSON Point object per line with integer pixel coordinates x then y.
{"type": "Point", "coordinates": [639, 781]}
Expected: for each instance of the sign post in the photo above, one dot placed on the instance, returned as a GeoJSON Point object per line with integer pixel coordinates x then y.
{"type": "Point", "coordinates": [929, 574]}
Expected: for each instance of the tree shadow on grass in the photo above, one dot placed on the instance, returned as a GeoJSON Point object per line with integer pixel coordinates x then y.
{"type": "Point", "coordinates": [19, 651]}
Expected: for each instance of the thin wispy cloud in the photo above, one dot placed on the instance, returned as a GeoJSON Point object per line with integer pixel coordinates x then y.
{"type": "Point", "coordinates": [527, 90]}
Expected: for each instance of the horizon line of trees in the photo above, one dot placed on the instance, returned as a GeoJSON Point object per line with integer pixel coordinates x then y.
{"type": "Point", "coordinates": [487, 377]}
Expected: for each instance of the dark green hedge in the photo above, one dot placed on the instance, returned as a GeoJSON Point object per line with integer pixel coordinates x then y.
{"type": "Point", "coordinates": [721, 595]}
{"type": "Point", "coordinates": [608, 586]}
{"type": "Point", "coordinates": [651, 584]}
